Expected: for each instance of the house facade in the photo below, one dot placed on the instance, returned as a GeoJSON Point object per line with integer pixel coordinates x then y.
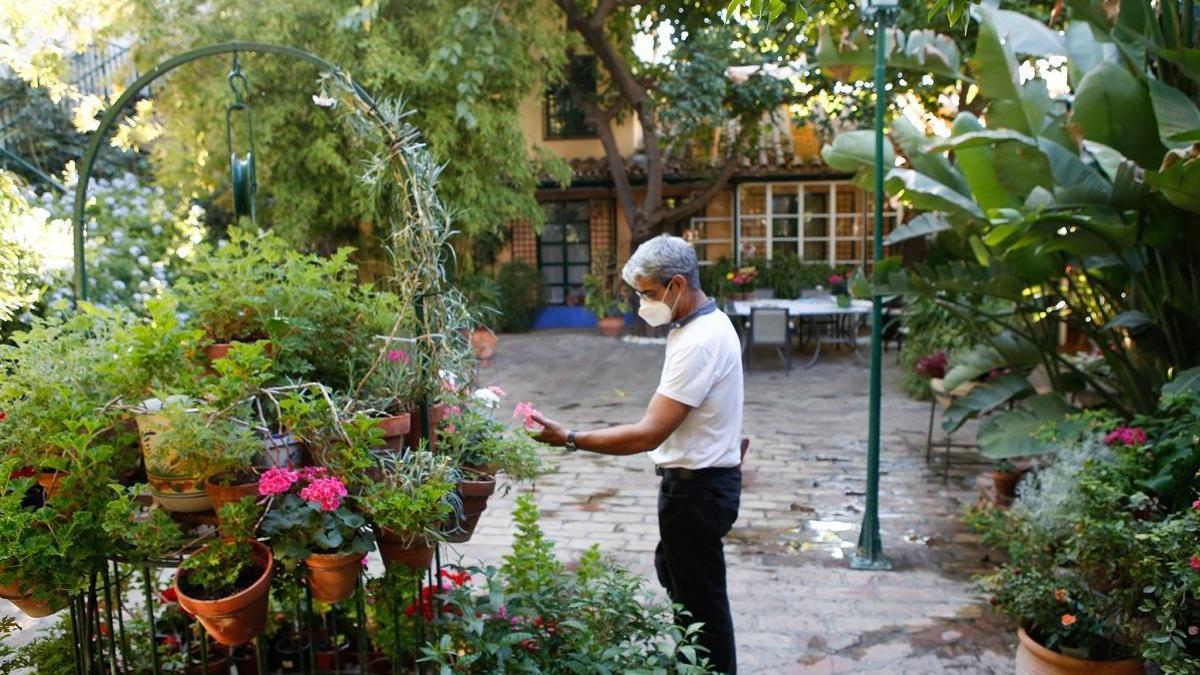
{"type": "Point", "coordinates": [782, 200]}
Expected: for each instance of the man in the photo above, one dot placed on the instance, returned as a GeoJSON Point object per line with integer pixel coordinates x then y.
{"type": "Point", "coordinates": [692, 430]}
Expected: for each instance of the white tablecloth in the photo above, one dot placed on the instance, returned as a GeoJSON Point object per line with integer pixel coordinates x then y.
{"type": "Point", "coordinates": [804, 306]}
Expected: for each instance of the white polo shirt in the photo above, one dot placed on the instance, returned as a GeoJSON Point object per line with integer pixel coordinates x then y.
{"type": "Point", "coordinates": [703, 370]}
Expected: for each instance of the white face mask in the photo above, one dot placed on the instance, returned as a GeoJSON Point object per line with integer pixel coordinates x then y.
{"type": "Point", "coordinates": [655, 312]}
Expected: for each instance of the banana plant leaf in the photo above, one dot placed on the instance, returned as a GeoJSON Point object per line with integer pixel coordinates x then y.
{"type": "Point", "coordinates": [924, 224]}
{"type": "Point", "coordinates": [1015, 433]}
{"type": "Point", "coordinates": [984, 399]}
{"type": "Point", "coordinates": [1001, 351]}
{"type": "Point", "coordinates": [854, 151]}
{"type": "Point", "coordinates": [1185, 382]}
{"type": "Point", "coordinates": [926, 193]}
{"type": "Point", "coordinates": [1106, 102]}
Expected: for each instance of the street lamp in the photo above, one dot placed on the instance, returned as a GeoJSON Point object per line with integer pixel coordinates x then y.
{"type": "Point", "coordinates": [869, 553]}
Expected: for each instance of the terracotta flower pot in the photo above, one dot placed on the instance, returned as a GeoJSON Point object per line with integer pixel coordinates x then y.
{"type": "Point", "coordinates": [1034, 659]}
{"type": "Point", "coordinates": [483, 341]}
{"type": "Point", "coordinates": [217, 350]}
{"type": "Point", "coordinates": [333, 577]}
{"type": "Point", "coordinates": [246, 660]}
{"type": "Point", "coordinates": [238, 618]}
{"type": "Point", "coordinates": [474, 493]}
{"type": "Point", "coordinates": [610, 326]}
{"type": "Point", "coordinates": [33, 607]}
{"type": "Point", "coordinates": [51, 481]}
{"type": "Point", "coordinates": [394, 430]}
{"type": "Point", "coordinates": [1006, 484]}
{"type": "Point", "coordinates": [331, 657]}
{"type": "Point", "coordinates": [414, 552]}
{"type": "Point", "coordinates": [220, 495]}
{"type": "Point", "coordinates": [218, 661]}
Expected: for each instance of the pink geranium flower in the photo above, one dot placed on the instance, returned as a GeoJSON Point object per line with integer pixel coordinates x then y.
{"type": "Point", "coordinates": [398, 356]}
{"type": "Point", "coordinates": [277, 480]}
{"type": "Point", "coordinates": [497, 390]}
{"type": "Point", "coordinates": [326, 492]}
{"type": "Point", "coordinates": [1128, 436]}
{"type": "Point", "coordinates": [525, 411]}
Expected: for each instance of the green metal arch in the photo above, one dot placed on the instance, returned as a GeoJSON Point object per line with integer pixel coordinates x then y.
{"type": "Point", "coordinates": [110, 119]}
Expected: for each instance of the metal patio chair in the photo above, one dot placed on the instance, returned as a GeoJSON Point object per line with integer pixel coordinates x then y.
{"type": "Point", "coordinates": [770, 327]}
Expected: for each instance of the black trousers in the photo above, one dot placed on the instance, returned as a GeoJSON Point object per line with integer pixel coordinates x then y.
{"type": "Point", "coordinates": [693, 516]}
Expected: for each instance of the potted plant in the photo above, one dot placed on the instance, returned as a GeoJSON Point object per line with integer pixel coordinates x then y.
{"type": "Point", "coordinates": [482, 296]}
{"type": "Point", "coordinates": [26, 549]}
{"type": "Point", "coordinates": [603, 296]}
{"type": "Point", "coordinates": [225, 583]}
{"type": "Point", "coordinates": [310, 521]}
{"type": "Point", "coordinates": [743, 281]}
{"type": "Point", "coordinates": [839, 286]}
{"type": "Point", "coordinates": [409, 505]}
{"type": "Point", "coordinates": [1005, 476]}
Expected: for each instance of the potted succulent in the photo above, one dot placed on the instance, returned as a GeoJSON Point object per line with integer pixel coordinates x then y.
{"type": "Point", "coordinates": [225, 583]}
{"type": "Point", "coordinates": [409, 505]}
{"type": "Point", "coordinates": [310, 521]}
{"type": "Point", "coordinates": [603, 296]}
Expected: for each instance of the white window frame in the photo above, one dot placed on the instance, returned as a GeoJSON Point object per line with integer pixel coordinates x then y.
{"type": "Point", "coordinates": [830, 215]}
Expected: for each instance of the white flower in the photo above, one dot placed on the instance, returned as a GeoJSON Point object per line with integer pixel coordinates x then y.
{"type": "Point", "coordinates": [118, 284]}
{"type": "Point", "coordinates": [143, 260]}
{"type": "Point", "coordinates": [487, 397]}
{"type": "Point", "coordinates": [135, 250]}
{"type": "Point", "coordinates": [118, 236]}
{"type": "Point", "coordinates": [157, 230]}
{"type": "Point", "coordinates": [324, 101]}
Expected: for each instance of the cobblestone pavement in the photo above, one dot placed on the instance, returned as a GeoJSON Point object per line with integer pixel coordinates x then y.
{"type": "Point", "coordinates": [797, 607]}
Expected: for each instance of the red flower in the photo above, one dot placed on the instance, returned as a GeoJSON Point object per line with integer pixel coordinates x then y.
{"type": "Point", "coordinates": [1195, 562]}
{"type": "Point", "coordinates": [1068, 620]}
{"type": "Point", "coordinates": [170, 641]}
{"type": "Point", "coordinates": [456, 577]}
{"type": "Point", "coordinates": [529, 645]}
{"type": "Point", "coordinates": [169, 595]}
{"type": "Point", "coordinates": [3, 415]}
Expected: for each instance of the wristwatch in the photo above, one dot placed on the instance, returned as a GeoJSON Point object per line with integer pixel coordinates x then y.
{"type": "Point", "coordinates": [570, 446]}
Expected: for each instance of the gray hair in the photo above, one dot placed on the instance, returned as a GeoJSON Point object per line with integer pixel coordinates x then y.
{"type": "Point", "coordinates": [662, 258]}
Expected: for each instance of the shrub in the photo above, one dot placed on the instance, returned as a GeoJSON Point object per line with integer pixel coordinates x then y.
{"type": "Point", "coordinates": [521, 294]}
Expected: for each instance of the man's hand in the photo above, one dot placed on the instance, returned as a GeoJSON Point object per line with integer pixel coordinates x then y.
{"type": "Point", "coordinates": [552, 432]}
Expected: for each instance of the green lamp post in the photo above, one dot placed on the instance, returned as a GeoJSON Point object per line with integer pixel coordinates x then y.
{"type": "Point", "coordinates": [869, 553]}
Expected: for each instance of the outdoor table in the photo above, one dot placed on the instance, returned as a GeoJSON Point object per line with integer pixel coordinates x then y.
{"type": "Point", "coordinates": [848, 319]}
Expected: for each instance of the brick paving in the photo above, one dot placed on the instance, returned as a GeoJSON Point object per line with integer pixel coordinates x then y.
{"type": "Point", "coordinates": [797, 607]}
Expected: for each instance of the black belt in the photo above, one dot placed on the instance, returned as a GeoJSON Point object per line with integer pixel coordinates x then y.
{"type": "Point", "coordinates": [677, 473]}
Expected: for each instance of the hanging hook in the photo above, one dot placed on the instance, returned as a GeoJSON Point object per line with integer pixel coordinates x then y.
{"type": "Point", "coordinates": [235, 76]}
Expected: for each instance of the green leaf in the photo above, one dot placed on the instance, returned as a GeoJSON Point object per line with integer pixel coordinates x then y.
{"type": "Point", "coordinates": [996, 66]}
{"type": "Point", "coordinates": [925, 193]}
{"type": "Point", "coordinates": [916, 147]}
{"type": "Point", "coordinates": [1074, 181]}
{"type": "Point", "coordinates": [1185, 382]}
{"type": "Point", "coordinates": [985, 398]}
{"type": "Point", "coordinates": [979, 168]}
{"type": "Point", "coordinates": [1106, 101]}
{"type": "Point", "coordinates": [1178, 180]}
{"type": "Point", "coordinates": [1012, 433]}
{"type": "Point", "coordinates": [1001, 351]}
{"type": "Point", "coordinates": [1175, 113]}
{"type": "Point", "coordinates": [923, 225]}
{"type": "Point", "coordinates": [1022, 34]}
{"type": "Point", "coordinates": [854, 151]}
{"type": "Point", "coordinates": [1085, 52]}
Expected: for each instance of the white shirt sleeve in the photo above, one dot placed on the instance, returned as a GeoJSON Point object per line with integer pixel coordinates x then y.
{"type": "Point", "coordinates": [687, 375]}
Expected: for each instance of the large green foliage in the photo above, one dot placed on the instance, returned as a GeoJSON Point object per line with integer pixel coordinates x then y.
{"type": "Point", "coordinates": [462, 70]}
{"type": "Point", "coordinates": [1077, 219]}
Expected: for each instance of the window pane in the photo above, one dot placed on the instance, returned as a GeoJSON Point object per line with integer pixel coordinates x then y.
{"type": "Point", "coordinates": [754, 228]}
{"type": "Point", "coordinates": [816, 198]}
{"type": "Point", "coordinates": [816, 250]}
{"type": "Point", "coordinates": [714, 251]}
{"type": "Point", "coordinates": [785, 199]}
{"type": "Point", "coordinates": [816, 226]}
{"type": "Point", "coordinates": [754, 248]}
{"type": "Point", "coordinates": [848, 227]}
{"type": "Point", "coordinates": [847, 251]}
{"type": "Point", "coordinates": [552, 232]}
{"type": "Point", "coordinates": [553, 275]}
{"type": "Point", "coordinates": [555, 295]}
{"type": "Point", "coordinates": [848, 198]}
{"type": "Point", "coordinates": [578, 253]}
{"type": "Point", "coordinates": [575, 273]}
{"type": "Point", "coordinates": [551, 254]}
{"type": "Point", "coordinates": [753, 200]}
{"type": "Point", "coordinates": [785, 247]}
{"type": "Point", "coordinates": [783, 227]}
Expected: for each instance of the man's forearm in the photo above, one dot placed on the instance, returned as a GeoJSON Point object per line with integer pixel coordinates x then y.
{"type": "Point", "coordinates": [624, 439]}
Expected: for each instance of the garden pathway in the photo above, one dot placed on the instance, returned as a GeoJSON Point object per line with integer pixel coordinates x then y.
{"type": "Point", "coordinates": [797, 607]}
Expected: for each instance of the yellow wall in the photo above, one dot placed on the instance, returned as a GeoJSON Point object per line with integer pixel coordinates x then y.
{"type": "Point", "coordinates": [627, 131]}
